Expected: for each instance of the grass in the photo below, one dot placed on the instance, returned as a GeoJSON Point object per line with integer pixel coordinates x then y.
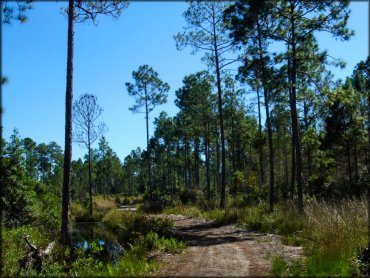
{"type": "Point", "coordinates": [186, 210]}
{"type": "Point", "coordinates": [101, 205]}
{"type": "Point", "coordinates": [337, 233]}
{"type": "Point", "coordinates": [104, 203]}
{"type": "Point", "coordinates": [279, 266]}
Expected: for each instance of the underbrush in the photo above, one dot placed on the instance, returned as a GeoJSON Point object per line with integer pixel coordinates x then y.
{"type": "Point", "coordinates": [14, 246]}
{"type": "Point", "coordinates": [138, 234]}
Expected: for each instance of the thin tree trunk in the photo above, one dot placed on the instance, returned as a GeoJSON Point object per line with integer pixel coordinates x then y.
{"type": "Point", "coordinates": [355, 158]}
{"type": "Point", "coordinates": [286, 170]}
{"type": "Point", "coordinates": [196, 163]}
{"type": "Point", "coordinates": [233, 152]}
{"type": "Point", "coordinates": [222, 132]}
{"type": "Point", "coordinates": [308, 151]}
{"type": "Point", "coordinates": [65, 240]}
{"type": "Point", "coordinates": [206, 147]}
{"type": "Point", "coordinates": [294, 168]}
{"type": "Point", "coordinates": [90, 183]}
{"type": "Point", "coordinates": [187, 165]}
{"type": "Point", "coordinates": [260, 145]}
{"type": "Point", "coordinates": [148, 146]}
{"type": "Point", "coordinates": [349, 166]}
{"type": "Point", "coordinates": [268, 121]}
{"type": "Point", "coordinates": [295, 125]}
{"type": "Point", "coordinates": [217, 159]}
{"type": "Point", "coordinates": [220, 111]}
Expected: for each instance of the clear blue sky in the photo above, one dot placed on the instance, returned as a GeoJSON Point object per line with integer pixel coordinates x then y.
{"type": "Point", "coordinates": [34, 60]}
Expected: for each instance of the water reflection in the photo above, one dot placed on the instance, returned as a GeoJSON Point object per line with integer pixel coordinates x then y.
{"type": "Point", "coordinates": [83, 234]}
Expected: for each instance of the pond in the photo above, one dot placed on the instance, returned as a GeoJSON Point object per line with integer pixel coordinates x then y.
{"type": "Point", "coordinates": [84, 233]}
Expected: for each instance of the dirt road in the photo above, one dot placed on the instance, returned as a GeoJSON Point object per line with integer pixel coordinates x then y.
{"type": "Point", "coordinates": [223, 251]}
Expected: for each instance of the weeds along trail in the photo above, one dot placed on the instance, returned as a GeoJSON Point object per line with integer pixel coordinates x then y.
{"type": "Point", "coordinates": [223, 251]}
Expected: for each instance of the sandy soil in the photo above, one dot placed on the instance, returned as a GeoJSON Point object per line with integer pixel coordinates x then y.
{"type": "Point", "coordinates": [222, 251]}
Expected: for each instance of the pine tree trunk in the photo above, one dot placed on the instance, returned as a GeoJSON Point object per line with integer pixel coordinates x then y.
{"type": "Point", "coordinates": [148, 147]}
{"type": "Point", "coordinates": [196, 163]}
{"type": "Point", "coordinates": [90, 182]}
{"type": "Point", "coordinates": [222, 132]}
{"type": "Point", "coordinates": [206, 148]}
{"type": "Point", "coordinates": [286, 170]}
{"type": "Point", "coordinates": [218, 180]}
{"type": "Point", "coordinates": [294, 168]}
{"type": "Point", "coordinates": [233, 153]}
{"type": "Point", "coordinates": [355, 158]}
{"type": "Point", "coordinates": [268, 121]}
{"type": "Point", "coordinates": [295, 127]}
{"type": "Point", "coordinates": [349, 163]}
{"type": "Point", "coordinates": [260, 145]}
{"type": "Point", "coordinates": [308, 151]}
{"type": "Point", "coordinates": [187, 165]}
{"type": "Point", "coordinates": [65, 239]}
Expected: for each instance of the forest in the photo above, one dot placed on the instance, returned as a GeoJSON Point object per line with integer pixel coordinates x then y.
{"type": "Point", "coordinates": [276, 152]}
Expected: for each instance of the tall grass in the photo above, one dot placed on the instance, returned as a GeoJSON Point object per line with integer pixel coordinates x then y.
{"type": "Point", "coordinates": [337, 233]}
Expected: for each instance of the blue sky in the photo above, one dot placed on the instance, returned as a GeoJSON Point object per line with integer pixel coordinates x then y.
{"type": "Point", "coordinates": [34, 60]}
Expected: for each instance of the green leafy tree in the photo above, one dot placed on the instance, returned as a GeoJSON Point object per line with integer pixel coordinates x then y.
{"type": "Point", "coordinates": [361, 77]}
{"type": "Point", "coordinates": [108, 169]}
{"type": "Point", "coordinates": [195, 100]}
{"type": "Point", "coordinates": [31, 160]}
{"type": "Point", "coordinates": [134, 172]}
{"type": "Point", "coordinates": [345, 133]}
{"type": "Point", "coordinates": [15, 183]}
{"type": "Point", "coordinates": [165, 134]}
{"type": "Point", "coordinates": [149, 91]}
{"type": "Point", "coordinates": [361, 80]}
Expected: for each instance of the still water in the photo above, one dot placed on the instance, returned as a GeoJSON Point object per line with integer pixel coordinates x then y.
{"type": "Point", "coordinates": [84, 233]}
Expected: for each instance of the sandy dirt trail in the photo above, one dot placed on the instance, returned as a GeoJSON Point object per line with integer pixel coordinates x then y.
{"type": "Point", "coordinates": [222, 251]}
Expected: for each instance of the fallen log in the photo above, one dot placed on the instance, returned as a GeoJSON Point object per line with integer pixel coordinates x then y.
{"type": "Point", "coordinates": [34, 258]}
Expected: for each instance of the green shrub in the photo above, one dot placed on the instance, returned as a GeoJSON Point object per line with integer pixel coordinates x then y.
{"type": "Point", "coordinates": [88, 264]}
{"type": "Point", "coordinates": [87, 217]}
{"type": "Point", "coordinates": [171, 245]}
{"type": "Point", "coordinates": [15, 247]}
{"type": "Point", "coordinates": [190, 196]}
{"type": "Point", "coordinates": [155, 203]}
{"type": "Point", "coordinates": [129, 226]}
{"type": "Point", "coordinates": [134, 263]}
{"type": "Point", "coordinates": [153, 241]}
{"type": "Point", "coordinates": [46, 211]}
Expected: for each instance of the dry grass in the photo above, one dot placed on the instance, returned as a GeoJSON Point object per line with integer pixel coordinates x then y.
{"type": "Point", "coordinates": [104, 203]}
{"type": "Point", "coordinates": [338, 231]}
{"type": "Point", "coordinates": [342, 226]}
